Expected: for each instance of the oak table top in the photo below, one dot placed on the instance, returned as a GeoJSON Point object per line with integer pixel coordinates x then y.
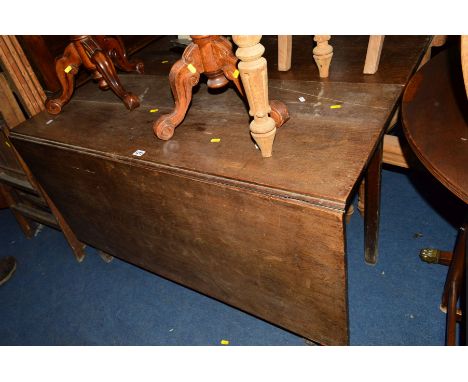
{"type": "Point", "coordinates": [318, 155]}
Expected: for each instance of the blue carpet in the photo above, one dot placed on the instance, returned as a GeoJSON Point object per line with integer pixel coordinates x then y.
{"type": "Point", "coordinates": [53, 300]}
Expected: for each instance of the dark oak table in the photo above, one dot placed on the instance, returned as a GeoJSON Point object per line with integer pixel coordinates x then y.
{"type": "Point", "coordinates": [267, 236]}
{"type": "Point", "coordinates": [435, 115]}
{"type": "Point", "coordinates": [264, 235]}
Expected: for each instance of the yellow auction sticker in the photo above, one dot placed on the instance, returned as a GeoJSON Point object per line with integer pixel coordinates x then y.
{"type": "Point", "coordinates": [191, 68]}
{"type": "Point", "coordinates": [335, 107]}
{"type": "Point", "coordinates": [215, 140]}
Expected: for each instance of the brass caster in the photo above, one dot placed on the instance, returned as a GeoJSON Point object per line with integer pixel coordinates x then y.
{"type": "Point", "coordinates": [429, 255]}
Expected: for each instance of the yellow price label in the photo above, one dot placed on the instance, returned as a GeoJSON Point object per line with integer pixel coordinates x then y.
{"type": "Point", "coordinates": [335, 107]}
{"type": "Point", "coordinates": [191, 68]}
{"type": "Point", "coordinates": [154, 110]}
{"type": "Point", "coordinates": [215, 140]}
{"type": "Point", "coordinates": [68, 69]}
{"type": "Point", "coordinates": [235, 74]}
{"type": "Point", "coordinates": [224, 342]}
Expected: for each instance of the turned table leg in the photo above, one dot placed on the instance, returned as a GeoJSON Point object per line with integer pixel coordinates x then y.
{"type": "Point", "coordinates": [372, 205]}
{"type": "Point", "coordinates": [253, 71]}
{"type": "Point", "coordinates": [323, 54]}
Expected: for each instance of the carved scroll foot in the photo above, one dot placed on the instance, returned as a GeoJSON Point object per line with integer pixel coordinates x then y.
{"type": "Point", "coordinates": [182, 79]}
{"type": "Point", "coordinates": [164, 127]}
{"type": "Point", "coordinates": [66, 68]}
{"type": "Point", "coordinates": [323, 54]}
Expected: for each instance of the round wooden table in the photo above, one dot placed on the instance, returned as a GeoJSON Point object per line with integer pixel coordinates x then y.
{"type": "Point", "coordinates": [435, 122]}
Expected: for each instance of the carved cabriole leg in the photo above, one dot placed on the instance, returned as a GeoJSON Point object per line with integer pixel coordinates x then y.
{"type": "Point", "coordinates": [114, 48]}
{"type": "Point", "coordinates": [182, 80]}
{"type": "Point", "coordinates": [106, 68]}
{"type": "Point", "coordinates": [71, 59]}
{"type": "Point", "coordinates": [253, 71]}
{"type": "Point", "coordinates": [90, 66]}
{"type": "Point", "coordinates": [323, 54]}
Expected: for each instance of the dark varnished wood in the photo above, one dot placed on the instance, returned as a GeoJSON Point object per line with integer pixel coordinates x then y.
{"type": "Point", "coordinates": [206, 235]}
{"type": "Point", "coordinates": [336, 141]}
{"type": "Point", "coordinates": [198, 212]}
{"type": "Point", "coordinates": [96, 54]}
{"type": "Point", "coordinates": [42, 51]}
{"type": "Point", "coordinates": [435, 115]}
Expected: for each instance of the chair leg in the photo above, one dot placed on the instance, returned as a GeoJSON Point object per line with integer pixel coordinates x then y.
{"type": "Point", "coordinates": [253, 71]}
{"type": "Point", "coordinates": [323, 54]}
{"type": "Point", "coordinates": [374, 49]}
{"type": "Point", "coordinates": [284, 53]}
